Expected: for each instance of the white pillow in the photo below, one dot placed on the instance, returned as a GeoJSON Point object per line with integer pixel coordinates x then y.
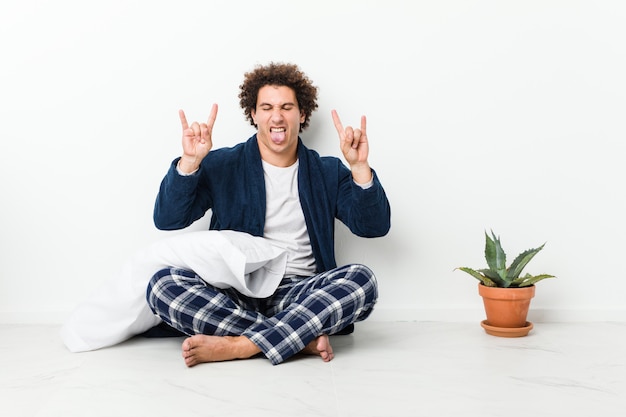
{"type": "Point", "coordinates": [118, 309]}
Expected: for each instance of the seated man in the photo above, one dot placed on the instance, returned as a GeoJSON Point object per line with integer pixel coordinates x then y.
{"type": "Point", "coordinates": [271, 186]}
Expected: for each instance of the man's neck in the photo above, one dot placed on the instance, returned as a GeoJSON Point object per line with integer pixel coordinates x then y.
{"type": "Point", "coordinates": [283, 160]}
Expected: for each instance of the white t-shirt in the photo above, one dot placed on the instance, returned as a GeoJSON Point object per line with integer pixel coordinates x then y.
{"type": "Point", "coordinates": [284, 219]}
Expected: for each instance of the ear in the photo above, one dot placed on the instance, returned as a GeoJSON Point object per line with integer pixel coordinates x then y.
{"type": "Point", "coordinates": [253, 114]}
{"type": "Point", "coordinates": [302, 117]}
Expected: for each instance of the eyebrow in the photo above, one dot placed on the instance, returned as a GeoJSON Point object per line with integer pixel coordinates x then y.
{"type": "Point", "coordinates": [289, 103]}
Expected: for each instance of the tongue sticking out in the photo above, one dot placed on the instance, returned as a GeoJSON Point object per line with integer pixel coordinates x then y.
{"type": "Point", "coordinates": [277, 136]}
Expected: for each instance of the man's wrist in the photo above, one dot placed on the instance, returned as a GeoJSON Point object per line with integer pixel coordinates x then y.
{"type": "Point", "coordinates": [185, 170]}
{"type": "Point", "coordinates": [362, 174]}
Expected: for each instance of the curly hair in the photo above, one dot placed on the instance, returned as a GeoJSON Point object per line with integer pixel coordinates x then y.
{"type": "Point", "coordinates": [278, 74]}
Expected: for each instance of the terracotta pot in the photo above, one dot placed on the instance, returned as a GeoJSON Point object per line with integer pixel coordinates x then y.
{"type": "Point", "coordinates": [506, 307]}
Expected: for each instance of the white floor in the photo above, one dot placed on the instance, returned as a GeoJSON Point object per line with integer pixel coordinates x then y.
{"type": "Point", "coordinates": [383, 369]}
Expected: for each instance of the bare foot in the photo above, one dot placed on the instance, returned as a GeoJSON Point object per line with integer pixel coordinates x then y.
{"type": "Point", "coordinates": [320, 346]}
{"type": "Point", "coordinates": [202, 348]}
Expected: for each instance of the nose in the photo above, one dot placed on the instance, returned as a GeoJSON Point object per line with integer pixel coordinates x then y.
{"type": "Point", "coordinates": [277, 114]}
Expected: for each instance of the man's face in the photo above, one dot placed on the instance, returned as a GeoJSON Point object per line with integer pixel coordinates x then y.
{"type": "Point", "coordinates": [278, 120]}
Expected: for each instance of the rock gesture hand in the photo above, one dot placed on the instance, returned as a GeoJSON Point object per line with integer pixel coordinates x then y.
{"type": "Point", "coordinates": [197, 141]}
{"type": "Point", "coordinates": [355, 148]}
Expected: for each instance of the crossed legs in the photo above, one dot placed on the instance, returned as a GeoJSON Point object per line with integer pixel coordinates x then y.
{"type": "Point", "coordinates": [226, 325]}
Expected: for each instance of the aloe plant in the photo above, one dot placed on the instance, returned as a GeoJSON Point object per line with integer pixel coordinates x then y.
{"type": "Point", "coordinates": [497, 274]}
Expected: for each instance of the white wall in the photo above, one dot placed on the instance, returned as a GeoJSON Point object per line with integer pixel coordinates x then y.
{"type": "Point", "coordinates": [503, 115]}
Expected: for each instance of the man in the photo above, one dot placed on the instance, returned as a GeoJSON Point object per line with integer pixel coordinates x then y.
{"type": "Point", "coordinates": [272, 186]}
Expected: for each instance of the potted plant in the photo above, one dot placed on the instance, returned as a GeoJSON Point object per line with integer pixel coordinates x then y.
{"type": "Point", "coordinates": [506, 292]}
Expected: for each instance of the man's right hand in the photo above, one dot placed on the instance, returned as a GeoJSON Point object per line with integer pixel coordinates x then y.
{"type": "Point", "coordinates": [197, 141]}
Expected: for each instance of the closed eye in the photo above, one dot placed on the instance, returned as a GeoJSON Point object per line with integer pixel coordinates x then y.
{"type": "Point", "coordinates": [286, 106]}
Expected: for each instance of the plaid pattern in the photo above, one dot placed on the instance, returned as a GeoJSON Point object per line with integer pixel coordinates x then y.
{"type": "Point", "coordinates": [301, 308]}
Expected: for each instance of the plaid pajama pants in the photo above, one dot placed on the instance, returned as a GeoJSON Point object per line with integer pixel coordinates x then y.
{"type": "Point", "coordinates": [301, 308]}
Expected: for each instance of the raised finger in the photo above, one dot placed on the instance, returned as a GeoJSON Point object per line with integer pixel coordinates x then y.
{"type": "Point", "coordinates": [212, 116]}
{"type": "Point", "coordinates": [183, 119]}
{"type": "Point", "coordinates": [337, 122]}
{"type": "Point", "coordinates": [363, 124]}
